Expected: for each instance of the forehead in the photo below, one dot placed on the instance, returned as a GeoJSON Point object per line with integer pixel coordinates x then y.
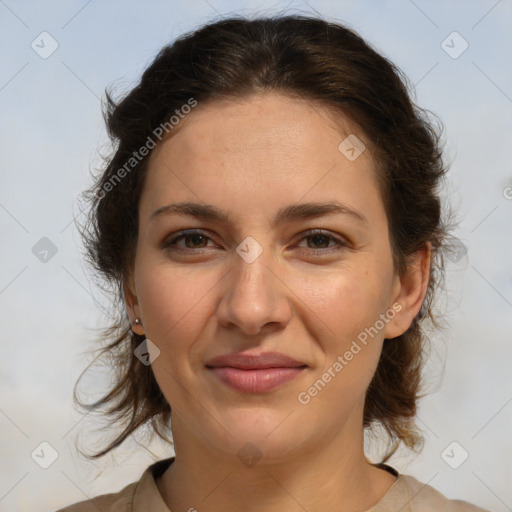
{"type": "Point", "coordinates": [260, 120]}
{"type": "Point", "coordinates": [257, 152]}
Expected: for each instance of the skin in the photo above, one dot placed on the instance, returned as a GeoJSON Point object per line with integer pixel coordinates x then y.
{"type": "Point", "coordinates": [250, 158]}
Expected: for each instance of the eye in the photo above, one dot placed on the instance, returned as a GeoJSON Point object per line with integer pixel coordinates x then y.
{"type": "Point", "coordinates": [319, 237]}
{"type": "Point", "coordinates": [196, 238]}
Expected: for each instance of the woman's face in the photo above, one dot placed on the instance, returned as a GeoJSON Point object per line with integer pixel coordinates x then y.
{"type": "Point", "coordinates": [206, 286]}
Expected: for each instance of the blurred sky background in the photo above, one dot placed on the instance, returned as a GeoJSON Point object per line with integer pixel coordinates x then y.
{"type": "Point", "coordinates": [51, 129]}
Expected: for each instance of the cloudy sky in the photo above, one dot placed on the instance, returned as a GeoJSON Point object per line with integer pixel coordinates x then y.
{"type": "Point", "coordinates": [56, 60]}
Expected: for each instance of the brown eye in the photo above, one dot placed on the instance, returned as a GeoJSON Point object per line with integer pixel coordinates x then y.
{"type": "Point", "coordinates": [318, 239]}
{"type": "Point", "coordinates": [323, 239]}
{"type": "Point", "coordinates": [193, 240]}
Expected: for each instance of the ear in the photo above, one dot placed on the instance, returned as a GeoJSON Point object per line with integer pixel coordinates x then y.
{"type": "Point", "coordinates": [132, 306]}
{"type": "Point", "coordinates": [409, 292]}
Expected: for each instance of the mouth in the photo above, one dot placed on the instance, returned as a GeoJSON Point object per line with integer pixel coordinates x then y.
{"type": "Point", "coordinates": [255, 373]}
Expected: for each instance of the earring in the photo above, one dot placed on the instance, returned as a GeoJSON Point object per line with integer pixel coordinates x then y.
{"type": "Point", "coordinates": [137, 321]}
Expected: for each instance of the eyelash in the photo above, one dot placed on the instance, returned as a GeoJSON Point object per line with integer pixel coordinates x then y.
{"type": "Point", "coordinates": [170, 244]}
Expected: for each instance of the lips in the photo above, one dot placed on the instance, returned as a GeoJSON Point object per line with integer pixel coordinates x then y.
{"type": "Point", "coordinates": [255, 373]}
{"type": "Point", "coordinates": [255, 361]}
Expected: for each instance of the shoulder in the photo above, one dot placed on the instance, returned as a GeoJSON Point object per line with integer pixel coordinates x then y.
{"type": "Point", "coordinates": [140, 496]}
{"type": "Point", "coordinates": [422, 498]}
{"type": "Point", "coordinates": [112, 502]}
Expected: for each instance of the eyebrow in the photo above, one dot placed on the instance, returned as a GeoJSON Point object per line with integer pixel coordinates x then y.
{"type": "Point", "coordinates": [289, 213]}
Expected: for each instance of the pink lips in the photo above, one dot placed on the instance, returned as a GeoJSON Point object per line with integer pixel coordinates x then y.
{"type": "Point", "coordinates": [255, 373]}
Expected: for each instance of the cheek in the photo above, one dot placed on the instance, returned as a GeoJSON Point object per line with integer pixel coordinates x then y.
{"type": "Point", "coordinates": [173, 303]}
{"type": "Point", "coordinates": [347, 300]}
{"type": "Point", "coordinates": [350, 303]}
{"type": "Point", "coordinates": [350, 306]}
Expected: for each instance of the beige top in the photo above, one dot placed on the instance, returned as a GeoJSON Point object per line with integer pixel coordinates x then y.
{"type": "Point", "coordinates": [406, 495]}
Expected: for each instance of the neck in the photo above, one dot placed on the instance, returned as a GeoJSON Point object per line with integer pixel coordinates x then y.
{"type": "Point", "coordinates": [336, 476]}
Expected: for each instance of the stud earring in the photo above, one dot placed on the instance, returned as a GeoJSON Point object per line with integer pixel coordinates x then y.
{"type": "Point", "coordinates": [137, 321]}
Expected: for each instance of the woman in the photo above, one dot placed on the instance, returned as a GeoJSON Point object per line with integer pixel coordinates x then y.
{"type": "Point", "coordinates": [271, 220]}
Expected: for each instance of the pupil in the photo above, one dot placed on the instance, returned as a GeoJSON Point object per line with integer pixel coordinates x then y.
{"type": "Point", "coordinates": [316, 237]}
{"type": "Point", "coordinates": [195, 238]}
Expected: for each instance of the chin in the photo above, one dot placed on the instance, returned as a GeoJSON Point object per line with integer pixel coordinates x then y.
{"type": "Point", "coordinates": [258, 436]}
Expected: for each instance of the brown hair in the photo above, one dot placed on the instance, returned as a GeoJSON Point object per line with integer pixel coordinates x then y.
{"type": "Point", "coordinates": [302, 57]}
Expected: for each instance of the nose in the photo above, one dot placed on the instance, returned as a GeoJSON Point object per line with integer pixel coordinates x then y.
{"type": "Point", "coordinates": [254, 295]}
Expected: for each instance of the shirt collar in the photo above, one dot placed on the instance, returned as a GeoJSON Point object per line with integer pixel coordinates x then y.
{"type": "Point", "coordinates": [147, 497]}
